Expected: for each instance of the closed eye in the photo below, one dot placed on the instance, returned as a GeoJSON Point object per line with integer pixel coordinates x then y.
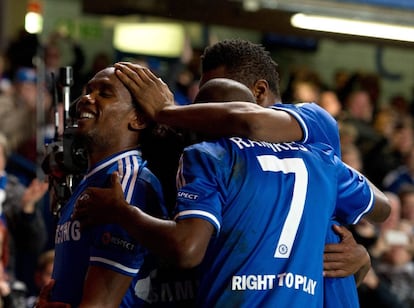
{"type": "Point", "coordinates": [106, 94]}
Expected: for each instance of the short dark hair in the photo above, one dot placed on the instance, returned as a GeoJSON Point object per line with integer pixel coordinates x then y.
{"type": "Point", "coordinates": [244, 61]}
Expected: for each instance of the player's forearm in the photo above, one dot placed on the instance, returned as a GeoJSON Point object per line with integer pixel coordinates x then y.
{"type": "Point", "coordinates": [166, 238]}
{"type": "Point", "coordinates": [233, 119]}
{"type": "Point", "coordinates": [215, 119]}
{"type": "Point", "coordinates": [362, 272]}
{"type": "Point", "coordinates": [381, 208]}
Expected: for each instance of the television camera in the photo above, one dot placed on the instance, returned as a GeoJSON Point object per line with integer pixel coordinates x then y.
{"type": "Point", "coordinates": [65, 162]}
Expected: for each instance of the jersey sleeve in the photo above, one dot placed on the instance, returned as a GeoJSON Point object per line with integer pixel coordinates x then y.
{"type": "Point", "coordinates": [112, 246]}
{"type": "Point", "coordinates": [355, 196]}
{"type": "Point", "coordinates": [317, 124]}
{"type": "Point", "coordinates": [200, 189]}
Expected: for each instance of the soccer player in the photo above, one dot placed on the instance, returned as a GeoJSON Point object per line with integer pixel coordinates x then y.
{"type": "Point", "coordinates": [101, 267]}
{"type": "Point", "coordinates": [231, 219]}
{"type": "Point", "coordinates": [251, 65]}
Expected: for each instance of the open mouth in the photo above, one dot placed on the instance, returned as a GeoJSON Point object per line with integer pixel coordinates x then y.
{"type": "Point", "coordinates": [86, 115]}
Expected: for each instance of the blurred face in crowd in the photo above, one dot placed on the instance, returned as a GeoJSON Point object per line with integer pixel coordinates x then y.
{"type": "Point", "coordinates": [304, 91]}
{"type": "Point", "coordinates": [27, 92]}
{"type": "Point", "coordinates": [407, 207]}
{"type": "Point", "coordinates": [352, 157]}
{"type": "Point", "coordinates": [360, 106]}
{"type": "Point", "coordinates": [402, 139]}
{"type": "Point", "coordinates": [52, 57]}
{"type": "Point", "coordinates": [329, 101]}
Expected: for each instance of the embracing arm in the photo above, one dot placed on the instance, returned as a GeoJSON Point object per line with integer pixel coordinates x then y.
{"type": "Point", "coordinates": [346, 257]}
{"type": "Point", "coordinates": [233, 119]}
{"type": "Point", "coordinates": [217, 119]}
{"type": "Point", "coordinates": [104, 288]}
{"type": "Point", "coordinates": [184, 241]}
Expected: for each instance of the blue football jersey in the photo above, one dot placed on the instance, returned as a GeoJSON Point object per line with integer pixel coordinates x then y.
{"type": "Point", "coordinates": [319, 126]}
{"type": "Point", "coordinates": [271, 206]}
{"type": "Point", "coordinates": [108, 246]}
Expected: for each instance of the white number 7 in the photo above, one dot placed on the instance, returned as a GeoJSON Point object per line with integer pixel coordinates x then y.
{"type": "Point", "coordinates": [291, 225]}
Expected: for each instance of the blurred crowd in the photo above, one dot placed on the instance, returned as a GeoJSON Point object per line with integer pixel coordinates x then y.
{"type": "Point", "coordinates": [377, 139]}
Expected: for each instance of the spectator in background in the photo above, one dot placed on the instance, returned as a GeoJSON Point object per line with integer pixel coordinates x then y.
{"type": "Point", "coordinates": [4, 233]}
{"type": "Point", "coordinates": [352, 156]}
{"type": "Point", "coordinates": [348, 133]}
{"type": "Point", "coordinates": [406, 194]}
{"type": "Point", "coordinates": [347, 84]}
{"type": "Point", "coordinates": [394, 254]}
{"type": "Point", "coordinates": [21, 122]}
{"type": "Point", "coordinates": [328, 100]}
{"type": "Point", "coordinates": [100, 61]}
{"type": "Point", "coordinates": [387, 150]}
{"type": "Point", "coordinates": [26, 229]}
{"type": "Point", "coordinates": [400, 104]}
{"type": "Point", "coordinates": [42, 275]}
{"type": "Point", "coordinates": [401, 175]}
{"type": "Point", "coordinates": [183, 84]}
{"type": "Point", "coordinates": [304, 85]}
{"type": "Point", "coordinates": [5, 83]}
{"type": "Point", "coordinates": [21, 52]}
{"type": "Point", "coordinates": [375, 290]}
{"type": "Point", "coordinates": [53, 60]}
{"type": "Point", "coordinates": [359, 111]}
{"type": "Point", "coordinates": [384, 122]}
{"type": "Point", "coordinates": [340, 82]}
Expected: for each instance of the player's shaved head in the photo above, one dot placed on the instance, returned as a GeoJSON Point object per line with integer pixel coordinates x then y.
{"type": "Point", "coordinates": [224, 90]}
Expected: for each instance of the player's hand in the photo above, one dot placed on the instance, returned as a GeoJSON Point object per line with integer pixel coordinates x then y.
{"type": "Point", "coordinates": [100, 205]}
{"type": "Point", "coordinates": [149, 91]}
{"type": "Point", "coordinates": [44, 297]}
{"type": "Point", "coordinates": [345, 258]}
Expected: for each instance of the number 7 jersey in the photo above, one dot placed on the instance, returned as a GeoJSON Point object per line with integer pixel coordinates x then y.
{"type": "Point", "coordinates": [270, 205]}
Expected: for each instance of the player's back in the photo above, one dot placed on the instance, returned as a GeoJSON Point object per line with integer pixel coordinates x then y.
{"type": "Point", "coordinates": [318, 126]}
{"type": "Point", "coordinates": [272, 207]}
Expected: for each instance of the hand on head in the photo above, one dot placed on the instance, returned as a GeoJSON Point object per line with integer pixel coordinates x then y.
{"type": "Point", "coordinates": [149, 91]}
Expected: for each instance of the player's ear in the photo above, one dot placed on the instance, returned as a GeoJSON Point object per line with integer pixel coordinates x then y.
{"type": "Point", "coordinates": [260, 90]}
{"type": "Point", "coordinates": [137, 121]}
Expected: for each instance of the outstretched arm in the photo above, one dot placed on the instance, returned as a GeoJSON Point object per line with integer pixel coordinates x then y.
{"type": "Point", "coordinates": [215, 119]}
{"type": "Point", "coordinates": [184, 241]}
